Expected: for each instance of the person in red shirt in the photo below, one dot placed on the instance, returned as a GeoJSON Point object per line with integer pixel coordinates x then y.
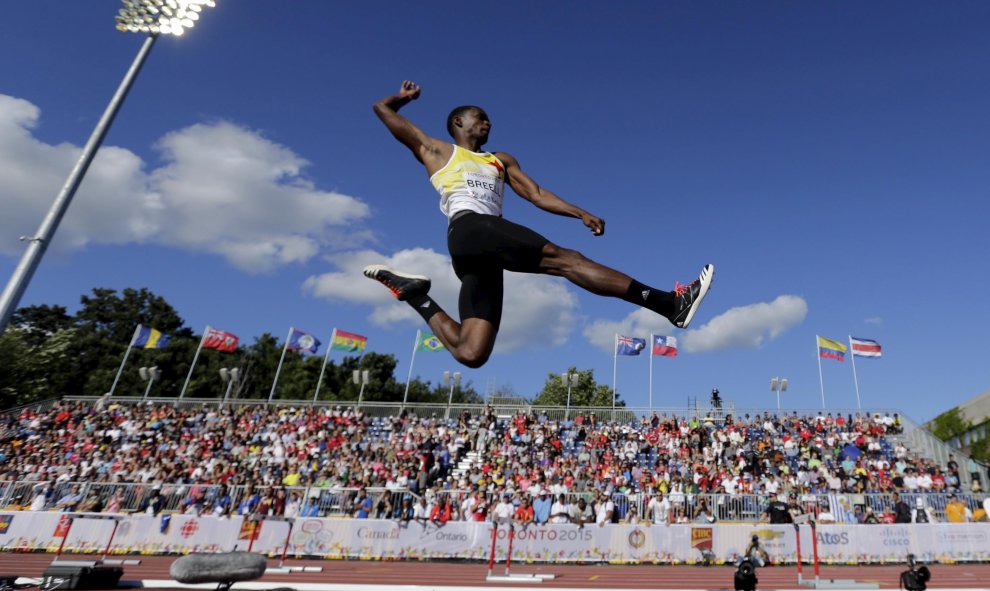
{"type": "Point", "coordinates": [524, 513]}
{"type": "Point", "coordinates": [441, 511]}
{"type": "Point", "coordinates": [938, 480]}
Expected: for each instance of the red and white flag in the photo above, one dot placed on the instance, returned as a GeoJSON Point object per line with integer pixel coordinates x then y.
{"type": "Point", "coordinates": [220, 340]}
{"type": "Point", "coordinates": [865, 348]}
{"type": "Point", "coordinates": [664, 346]}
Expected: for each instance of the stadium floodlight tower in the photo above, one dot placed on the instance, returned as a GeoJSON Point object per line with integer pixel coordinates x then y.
{"type": "Point", "coordinates": [453, 380]}
{"type": "Point", "coordinates": [150, 374]}
{"type": "Point", "coordinates": [230, 376]}
{"type": "Point", "coordinates": [778, 385]}
{"type": "Point", "coordinates": [154, 17]}
{"type": "Point", "coordinates": [571, 380]}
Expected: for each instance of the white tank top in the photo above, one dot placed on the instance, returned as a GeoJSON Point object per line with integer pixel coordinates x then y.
{"type": "Point", "coordinates": [470, 181]}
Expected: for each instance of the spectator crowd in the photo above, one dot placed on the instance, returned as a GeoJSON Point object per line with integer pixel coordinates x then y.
{"type": "Point", "coordinates": [525, 468]}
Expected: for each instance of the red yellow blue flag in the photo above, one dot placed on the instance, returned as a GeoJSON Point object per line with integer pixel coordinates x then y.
{"type": "Point", "coordinates": [829, 349]}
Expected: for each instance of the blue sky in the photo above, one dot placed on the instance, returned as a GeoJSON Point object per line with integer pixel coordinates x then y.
{"type": "Point", "coordinates": [828, 158]}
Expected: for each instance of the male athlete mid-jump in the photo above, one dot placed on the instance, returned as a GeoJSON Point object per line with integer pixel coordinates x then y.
{"type": "Point", "coordinates": [482, 244]}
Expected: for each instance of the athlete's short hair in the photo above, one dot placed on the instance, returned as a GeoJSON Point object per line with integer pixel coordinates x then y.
{"type": "Point", "coordinates": [458, 112]}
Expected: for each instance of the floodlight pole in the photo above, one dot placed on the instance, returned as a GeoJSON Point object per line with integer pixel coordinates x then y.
{"type": "Point", "coordinates": [38, 244]}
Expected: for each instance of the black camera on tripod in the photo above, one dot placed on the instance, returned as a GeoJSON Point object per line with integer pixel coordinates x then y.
{"type": "Point", "coordinates": [745, 577]}
{"type": "Point", "coordinates": [915, 578]}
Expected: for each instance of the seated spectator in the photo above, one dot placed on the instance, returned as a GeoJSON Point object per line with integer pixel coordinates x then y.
{"type": "Point", "coordinates": [421, 512]}
{"type": "Point", "coordinates": [956, 511]}
{"type": "Point", "coordinates": [153, 503]}
{"type": "Point", "coordinates": [560, 511]}
{"type": "Point", "coordinates": [362, 505]}
{"type": "Point", "coordinates": [249, 501]}
{"type": "Point", "coordinates": [404, 512]}
{"type": "Point", "coordinates": [581, 513]}
{"type": "Point", "coordinates": [825, 515]}
{"type": "Point", "coordinates": [523, 515]}
{"type": "Point", "coordinates": [542, 506]}
{"type": "Point", "coordinates": [632, 516]}
{"type": "Point", "coordinates": [222, 501]}
{"type": "Point", "coordinates": [293, 506]}
{"type": "Point", "coordinates": [441, 512]}
{"type": "Point", "coordinates": [91, 503]}
{"type": "Point", "coordinates": [70, 500]}
{"type": "Point", "coordinates": [504, 511]}
{"type": "Point", "coordinates": [311, 508]}
{"type": "Point", "coordinates": [703, 514]}
{"type": "Point", "coordinates": [43, 493]}
{"type": "Point", "coordinates": [604, 510]}
{"type": "Point", "coordinates": [659, 510]}
{"type": "Point", "coordinates": [114, 503]}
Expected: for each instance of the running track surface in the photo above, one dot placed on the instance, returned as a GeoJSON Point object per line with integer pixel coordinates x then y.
{"type": "Point", "coordinates": [472, 574]}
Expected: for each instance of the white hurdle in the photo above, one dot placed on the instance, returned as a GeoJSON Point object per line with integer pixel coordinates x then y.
{"type": "Point", "coordinates": [281, 568]}
{"type": "Point", "coordinates": [818, 582]}
{"type": "Point", "coordinates": [508, 577]}
{"type": "Point", "coordinates": [106, 551]}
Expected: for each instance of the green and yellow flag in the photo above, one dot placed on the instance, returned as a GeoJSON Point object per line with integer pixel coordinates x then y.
{"type": "Point", "coordinates": [429, 342]}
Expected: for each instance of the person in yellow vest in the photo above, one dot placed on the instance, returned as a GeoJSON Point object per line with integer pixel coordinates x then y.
{"type": "Point", "coordinates": [956, 511]}
{"type": "Point", "coordinates": [483, 244]}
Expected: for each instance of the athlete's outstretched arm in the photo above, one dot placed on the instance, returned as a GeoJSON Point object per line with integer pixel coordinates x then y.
{"type": "Point", "coordinates": [430, 151]}
{"type": "Point", "coordinates": [546, 200]}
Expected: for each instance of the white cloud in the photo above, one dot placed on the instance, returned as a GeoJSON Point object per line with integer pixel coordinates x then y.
{"type": "Point", "coordinates": [538, 310]}
{"type": "Point", "coordinates": [223, 189]}
{"type": "Point", "coordinates": [875, 320]}
{"type": "Point", "coordinates": [742, 327]}
{"type": "Point", "coordinates": [747, 326]}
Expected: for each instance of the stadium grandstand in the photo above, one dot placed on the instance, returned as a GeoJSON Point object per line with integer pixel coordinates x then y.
{"type": "Point", "coordinates": [473, 463]}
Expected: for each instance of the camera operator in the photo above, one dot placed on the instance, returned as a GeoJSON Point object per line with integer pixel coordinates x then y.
{"type": "Point", "coordinates": [716, 400]}
{"type": "Point", "coordinates": [755, 553]}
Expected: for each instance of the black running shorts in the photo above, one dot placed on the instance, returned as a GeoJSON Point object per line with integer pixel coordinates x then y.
{"type": "Point", "coordinates": [481, 247]}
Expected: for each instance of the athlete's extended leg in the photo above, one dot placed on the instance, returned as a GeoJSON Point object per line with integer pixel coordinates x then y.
{"type": "Point", "coordinates": [486, 241]}
{"type": "Point", "coordinates": [679, 306]}
{"type": "Point", "coordinates": [470, 341]}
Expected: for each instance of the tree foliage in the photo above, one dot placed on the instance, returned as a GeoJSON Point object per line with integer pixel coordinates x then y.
{"type": "Point", "coordinates": [950, 424]}
{"type": "Point", "coordinates": [588, 392]}
{"type": "Point", "coordinates": [980, 450]}
{"type": "Point", "coordinates": [48, 353]}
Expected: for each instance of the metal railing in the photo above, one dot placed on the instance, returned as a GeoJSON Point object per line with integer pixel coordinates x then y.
{"type": "Point", "coordinates": [620, 414]}
{"type": "Point", "coordinates": [195, 498]}
{"type": "Point", "coordinates": [37, 406]}
{"type": "Point", "coordinates": [343, 502]}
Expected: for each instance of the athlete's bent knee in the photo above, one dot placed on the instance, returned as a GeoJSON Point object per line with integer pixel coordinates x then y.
{"type": "Point", "coordinates": [471, 357]}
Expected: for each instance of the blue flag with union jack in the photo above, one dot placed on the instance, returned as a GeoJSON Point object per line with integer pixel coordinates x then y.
{"type": "Point", "coordinates": [628, 345]}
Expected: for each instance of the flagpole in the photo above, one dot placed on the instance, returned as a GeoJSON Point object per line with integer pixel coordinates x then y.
{"type": "Point", "coordinates": [193, 366]}
{"type": "Point", "coordinates": [120, 370]}
{"type": "Point", "coordinates": [405, 396]}
{"type": "Point", "coordinates": [615, 365]}
{"type": "Point", "coordinates": [855, 377]}
{"type": "Point", "coordinates": [326, 358]}
{"type": "Point", "coordinates": [651, 371]}
{"type": "Point", "coordinates": [278, 370]}
{"type": "Point", "coordinates": [821, 380]}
